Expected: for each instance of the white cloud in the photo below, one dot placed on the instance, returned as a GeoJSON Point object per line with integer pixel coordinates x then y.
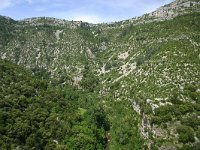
{"type": "Point", "coordinates": [117, 3]}
{"type": "Point", "coordinates": [77, 15]}
{"type": "Point", "coordinates": [87, 18]}
{"type": "Point", "coordinates": [5, 4]}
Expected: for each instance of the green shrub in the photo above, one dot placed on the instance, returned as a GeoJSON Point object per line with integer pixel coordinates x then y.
{"type": "Point", "coordinates": [186, 134]}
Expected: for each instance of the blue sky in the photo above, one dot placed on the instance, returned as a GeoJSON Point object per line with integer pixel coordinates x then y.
{"type": "Point", "coordinates": [93, 11]}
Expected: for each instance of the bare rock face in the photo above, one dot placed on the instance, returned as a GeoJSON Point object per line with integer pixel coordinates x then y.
{"type": "Point", "coordinates": [173, 9]}
{"type": "Point", "coordinates": [169, 147]}
{"type": "Point", "coordinates": [158, 132]}
{"type": "Point", "coordinates": [145, 126]}
{"type": "Point", "coordinates": [90, 54]}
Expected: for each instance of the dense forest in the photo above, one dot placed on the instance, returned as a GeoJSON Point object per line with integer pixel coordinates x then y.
{"type": "Point", "coordinates": [36, 113]}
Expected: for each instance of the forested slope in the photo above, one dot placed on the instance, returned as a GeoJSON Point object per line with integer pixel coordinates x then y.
{"type": "Point", "coordinates": [35, 114]}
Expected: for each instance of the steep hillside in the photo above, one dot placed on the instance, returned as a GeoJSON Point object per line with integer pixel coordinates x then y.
{"type": "Point", "coordinates": [158, 71]}
{"type": "Point", "coordinates": [36, 114]}
{"type": "Point", "coordinates": [145, 71]}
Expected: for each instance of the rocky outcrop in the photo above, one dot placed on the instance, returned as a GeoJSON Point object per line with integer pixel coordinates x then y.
{"type": "Point", "coordinates": [48, 21]}
{"type": "Point", "coordinates": [145, 127]}
{"type": "Point", "coordinates": [90, 54]}
{"type": "Point", "coordinates": [173, 9]}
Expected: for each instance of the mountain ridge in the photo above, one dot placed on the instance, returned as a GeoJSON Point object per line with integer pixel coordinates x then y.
{"type": "Point", "coordinates": [167, 11]}
{"type": "Point", "coordinates": [149, 64]}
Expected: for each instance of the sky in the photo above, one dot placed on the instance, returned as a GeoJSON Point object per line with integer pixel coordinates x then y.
{"type": "Point", "coordinates": [92, 11]}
